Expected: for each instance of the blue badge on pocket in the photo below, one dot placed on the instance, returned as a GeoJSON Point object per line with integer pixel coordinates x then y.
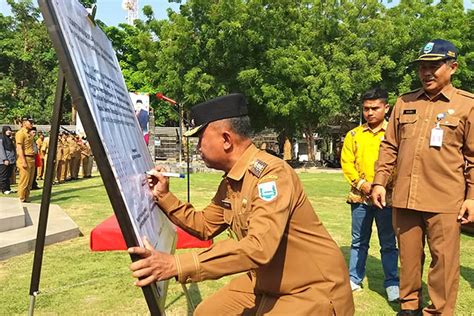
{"type": "Point", "coordinates": [267, 191]}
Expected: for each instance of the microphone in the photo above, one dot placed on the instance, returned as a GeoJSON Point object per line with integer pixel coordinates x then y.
{"type": "Point", "coordinates": [165, 98]}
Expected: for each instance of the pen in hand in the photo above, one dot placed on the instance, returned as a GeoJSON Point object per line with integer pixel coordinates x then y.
{"type": "Point", "coordinates": [168, 174]}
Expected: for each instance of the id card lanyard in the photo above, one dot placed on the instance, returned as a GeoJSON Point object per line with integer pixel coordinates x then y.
{"type": "Point", "coordinates": [436, 139]}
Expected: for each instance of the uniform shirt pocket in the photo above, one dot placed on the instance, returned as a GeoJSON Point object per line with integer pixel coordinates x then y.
{"type": "Point", "coordinates": [241, 215]}
{"type": "Point", "coordinates": [449, 125]}
{"type": "Point", "coordinates": [407, 126]}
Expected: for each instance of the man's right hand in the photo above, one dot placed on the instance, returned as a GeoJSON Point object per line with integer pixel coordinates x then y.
{"type": "Point", "coordinates": [6, 162]}
{"type": "Point", "coordinates": [366, 188]}
{"type": "Point", "coordinates": [159, 184]}
{"type": "Point", "coordinates": [378, 196]}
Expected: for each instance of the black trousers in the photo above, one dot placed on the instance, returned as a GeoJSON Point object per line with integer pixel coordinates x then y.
{"type": "Point", "coordinates": [5, 174]}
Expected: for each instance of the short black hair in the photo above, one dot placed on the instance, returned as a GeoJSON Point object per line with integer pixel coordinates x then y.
{"type": "Point", "coordinates": [375, 94]}
{"type": "Point", "coordinates": [241, 125]}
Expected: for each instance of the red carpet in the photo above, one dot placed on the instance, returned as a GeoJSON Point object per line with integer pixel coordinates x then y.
{"type": "Point", "coordinates": [108, 236]}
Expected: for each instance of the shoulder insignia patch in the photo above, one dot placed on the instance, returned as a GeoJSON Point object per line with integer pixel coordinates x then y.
{"type": "Point", "coordinates": [257, 167]}
{"type": "Point", "coordinates": [267, 191]}
{"type": "Point", "coordinates": [353, 132]}
{"type": "Point", "coordinates": [466, 94]}
{"type": "Point", "coordinates": [269, 177]}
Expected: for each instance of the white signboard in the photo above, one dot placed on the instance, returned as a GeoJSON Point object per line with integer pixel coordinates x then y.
{"type": "Point", "coordinates": [112, 111]}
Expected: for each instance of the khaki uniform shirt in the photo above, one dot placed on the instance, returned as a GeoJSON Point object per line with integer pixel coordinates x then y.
{"type": "Point", "coordinates": [279, 238]}
{"type": "Point", "coordinates": [66, 149]}
{"type": "Point", "coordinates": [39, 144]}
{"type": "Point", "coordinates": [45, 146]}
{"type": "Point", "coordinates": [86, 150]}
{"type": "Point", "coordinates": [25, 140]}
{"type": "Point", "coordinates": [74, 148]}
{"type": "Point", "coordinates": [60, 150]}
{"type": "Point", "coordinates": [431, 179]}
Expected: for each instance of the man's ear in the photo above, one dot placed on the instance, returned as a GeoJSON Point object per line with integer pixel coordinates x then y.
{"type": "Point", "coordinates": [228, 139]}
{"type": "Point", "coordinates": [454, 67]}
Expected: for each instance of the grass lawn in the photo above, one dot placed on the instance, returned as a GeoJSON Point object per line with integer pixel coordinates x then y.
{"type": "Point", "coordinates": [77, 281]}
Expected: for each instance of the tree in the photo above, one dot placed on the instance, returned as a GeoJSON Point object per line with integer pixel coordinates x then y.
{"type": "Point", "coordinates": [302, 64]}
{"type": "Point", "coordinates": [29, 65]}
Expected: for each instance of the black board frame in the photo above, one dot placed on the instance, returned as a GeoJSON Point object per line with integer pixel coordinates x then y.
{"type": "Point", "coordinates": [67, 70]}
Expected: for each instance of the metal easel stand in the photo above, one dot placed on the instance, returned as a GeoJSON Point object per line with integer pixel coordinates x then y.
{"type": "Point", "coordinates": [46, 196]}
{"type": "Point", "coordinates": [188, 297]}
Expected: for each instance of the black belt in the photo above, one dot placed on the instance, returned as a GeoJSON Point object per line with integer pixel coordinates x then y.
{"type": "Point", "coordinates": [32, 156]}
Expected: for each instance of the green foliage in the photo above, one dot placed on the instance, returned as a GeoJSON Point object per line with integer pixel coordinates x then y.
{"type": "Point", "coordinates": [88, 3]}
{"type": "Point", "coordinates": [28, 65]}
{"type": "Point", "coordinates": [302, 64]}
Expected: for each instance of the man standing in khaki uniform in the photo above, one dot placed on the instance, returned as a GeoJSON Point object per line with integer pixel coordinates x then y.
{"type": "Point", "coordinates": [59, 164]}
{"type": "Point", "coordinates": [25, 159]}
{"type": "Point", "coordinates": [430, 140]}
{"type": "Point", "coordinates": [290, 264]}
{"type": "Point", "coordinates": [39, 144]}
{"type": "Point", "coordinates": [75, 154]}
{"type": "Point", "coordinates": [86, 158]}
{"type": "Point", "coordinates": [44, 152]}
{"type": "Point", "coordinates": [66, 158]}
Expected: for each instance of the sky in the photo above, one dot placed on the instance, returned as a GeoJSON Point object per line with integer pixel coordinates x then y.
{"type": "Point", "coordinates": [111, 12]}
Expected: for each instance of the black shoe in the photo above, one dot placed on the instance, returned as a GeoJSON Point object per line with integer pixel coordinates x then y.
{"type": "Point", "coordinates": [35, 188]}
{"type": "Point", "coordinates": [410, 312]}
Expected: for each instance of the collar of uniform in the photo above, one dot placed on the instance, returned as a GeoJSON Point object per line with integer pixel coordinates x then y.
{"type": "Point", "coordinates": [365, 127]}
{"type": "Point", "coordinates": [238, 170]}
{"type": "Point", "coordinates": [447, 92]}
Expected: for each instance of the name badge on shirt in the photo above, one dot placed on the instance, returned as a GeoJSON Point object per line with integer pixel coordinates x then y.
{"type": "Point", "coordinates": [226, 204]}
{"type": "Point", "coordinates": [436, 139]}
{"type": "Point", "coordinates": [409, 111]}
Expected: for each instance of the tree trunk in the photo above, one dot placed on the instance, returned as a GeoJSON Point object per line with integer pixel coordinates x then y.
{"type": "Point", "coordinates": [310, 143]}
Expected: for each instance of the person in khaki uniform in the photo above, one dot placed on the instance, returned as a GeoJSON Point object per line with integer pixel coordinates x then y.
{"type": "Point", "coordinates": [430, 141]}
{"type": "Point", "coordinates": [44, 152]}
{"type": "Point", "coordinates": [39, 144]}
{"type": "Point", "coordinates": [86, 158]}
{"type": "Point", "coordinates": [75, 156]}
{"type": "Point", "coordinates": [59, 163]}
{"type": "Point", "coordinates": [290, 265]}
{"type": "Point", "coordinates": [25, 159]}
{"type": "Point", "coordinates": [66, 157]}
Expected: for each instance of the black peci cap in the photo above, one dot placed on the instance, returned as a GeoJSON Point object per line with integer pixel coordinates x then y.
{"type": "Point", "coordinates": [228, 106]}
{"type": "Point", "coordinates": [436, 50]}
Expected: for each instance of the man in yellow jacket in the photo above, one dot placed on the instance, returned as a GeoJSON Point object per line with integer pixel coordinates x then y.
{"type": "Point", "coordinates": [358, 157]}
